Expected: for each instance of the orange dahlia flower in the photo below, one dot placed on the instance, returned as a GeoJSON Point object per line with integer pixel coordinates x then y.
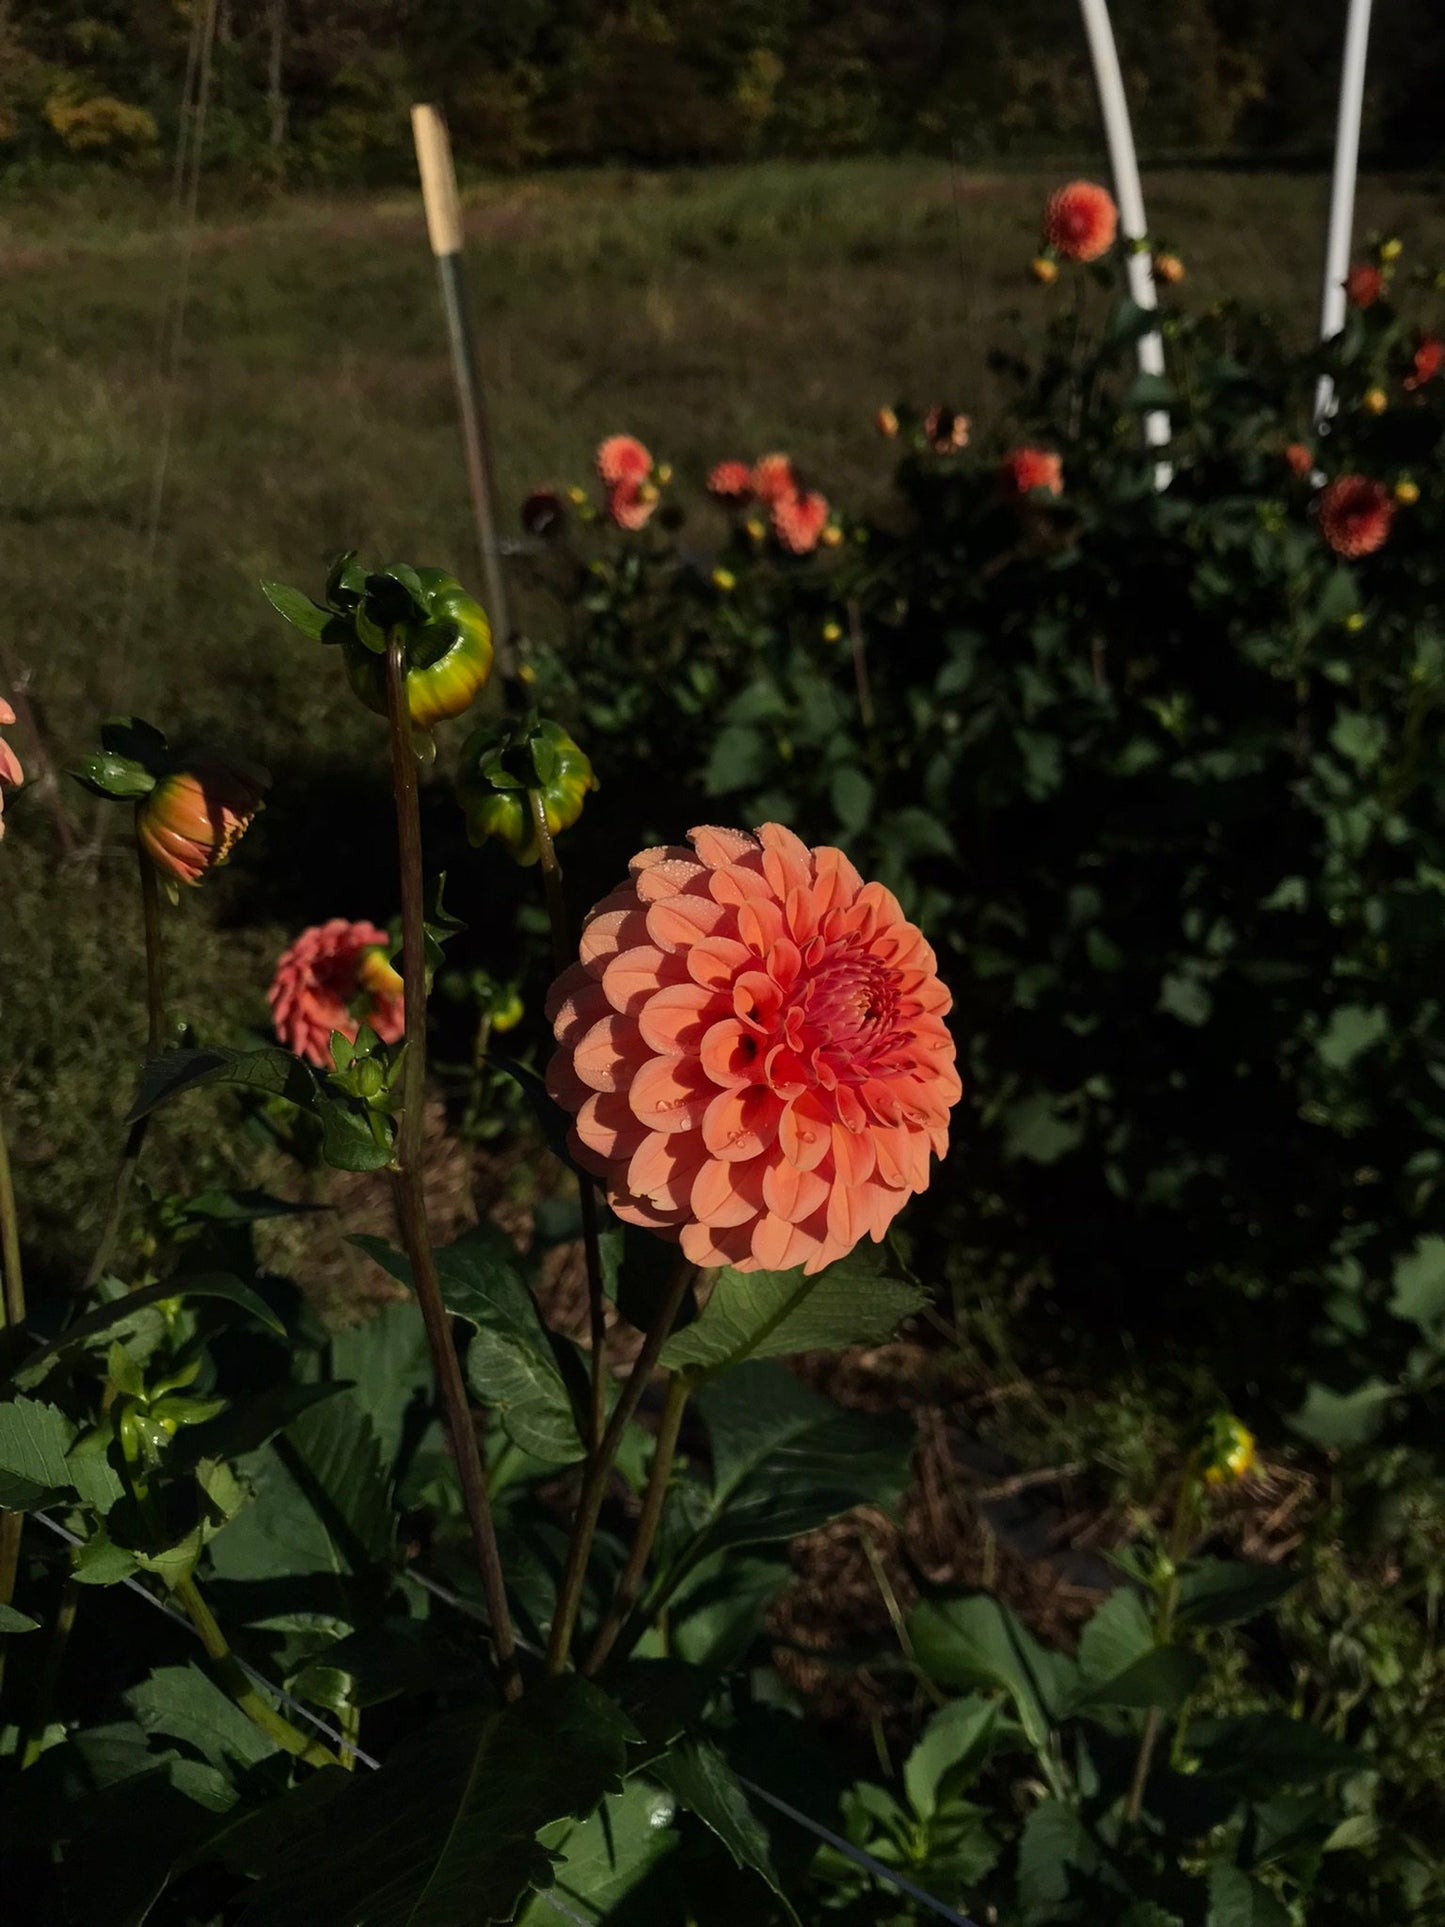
{"type": "Point", "coordinates": [336, 976]}
{"type": "Point", "coordinates": [1364, 285]}
{"type": "Point", "coordinates": [1025, 469]}
{"type": "Point", "coordinates": [754, 1052]}
{"type": "Point", "coordinates": [1080, 221]}
{"type": "Point", "coordinates": [10, 770]}
{"type": "Point", "coordinates": [1429, 356]}
{"type": "Point", "coordinates": [946, 432]}
{"type": "Point", "coordinates": [773, 477]}
{"type": "Point", "coordinates": [1355, 515]}
{"type": "Point", "coordinates": [731, 482]}
{"type": "Point", "coordinates": [1299, 459]}
{"type": "Point", "coordinates": [622, 458]}
{"type": "Point", "coordinates": [631, 504]}
{"type": "Point", "coordinates": [799, 521]}
{"type": "Point", "coordinates": [192, 820]}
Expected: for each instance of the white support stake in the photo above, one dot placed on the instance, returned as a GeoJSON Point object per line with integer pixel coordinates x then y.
{"type": "Point", "coordinates": [1130, 196]}
{"type": "Point", "coordinates": [1339, 232]}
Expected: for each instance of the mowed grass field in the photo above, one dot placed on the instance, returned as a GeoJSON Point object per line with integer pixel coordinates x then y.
{"type": "Point", "coordinates": [308, 407]}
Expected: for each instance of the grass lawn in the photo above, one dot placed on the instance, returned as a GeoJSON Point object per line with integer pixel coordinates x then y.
{"type": "Point", "coordinates": [712, 313]}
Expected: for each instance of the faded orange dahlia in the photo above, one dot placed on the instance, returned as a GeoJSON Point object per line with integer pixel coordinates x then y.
{"type": "Point", "coordinates": [1364, 285]}
{"type": "Point", "coordinates": [1355, 515]}
{"type": "Point", "coordinates": [192, 820]}
{"type": "Point", "coordinates": [753, 1048]}
{"type": "Point", "coordinates": [731, 482]}
{"type": "Point", "coordinates": [622, 458]}
{"type": "Point", "coordinates": [1080, 221]}
{"type": "Point", "coordinates": [799, 521]}
{"type": "Point", "coordinates": [773, 478]}
{"type": "Point", "coordinates": [10, 771]}
{"type": "Point", "coordinates": [335, 977]}
{"type": "Point", "coordinates": [1025, 469]}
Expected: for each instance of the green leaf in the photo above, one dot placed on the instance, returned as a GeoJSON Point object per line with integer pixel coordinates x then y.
{"type": "Point", "coordinates": [118, 778]}
{"type": "Point", "coordinates": [271, 1071]}
{"type": "Point", "coordinates": [707, 1786]}
{"type": "Point", "coordinates": [852, 797]}
{"type": "Point", "coordinates": [445, 1835]}
{"type": "Point", "coordinates": [1226, 1592]}
{"type": "Point", "coordinates": [300, 611]}
{"type": "Point", "coordinates": [12, 1621]}
{"type": "Point", "coordinates": [770, 1314]}
{"type": "Point", "coordinates": [949, 1754]}
{"type": "Point", "coordinates": [348, 1141]}
{"type": "Point", "coordinates": [607, 1857]}
{"type": "Point", "coordinates": [1339, 599]}
{"type": "Point", "coordinates": [388, 1362]}
{"type": "Point", "coordinates": [1419, 1294]}
{"type": "Point", "coordinates": [1150, 391]}
{"type": "Point", "coordinates": [181, 1703]}
{"type": "Point", "coordinates": [100, 1562]}
{"type": "Point", "coordinates": [1237, 1901]}
{"type": "Point", "coordinates": [34, 1439]}
{"type": "Point", "coordinates": [1259, 1753]}
{"type": "Point", "coordinates": [108, 1321]}
{"type": "Point", "coordinates": [1054, 1846]}
{"type": "Point", "coordinates": [1163, 1678]}
{"type": "Point", "coordinates": [1352, 1030]}
{"type": "Point", "coordinates": [977, 1642]}
{"type": "Point", "coordinates": [1338, 1420]}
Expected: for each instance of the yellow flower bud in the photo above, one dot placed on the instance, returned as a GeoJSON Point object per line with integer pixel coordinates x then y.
{"type": "Point", "coordinates": [1407, 493]}
{"type": "Point", "coordinates": [663, 473]}
{"type": "Point", "coordinates": [724, 579]}
{"type": "Point", "coordinates": [1044, 270]}
{"type": "Point", "coordinates": [755, 528]}
{"type": "Point", "coordinates": [1355, 621]}
{"type": "Point", "coordinates": [832, 632]}
{"type": "Point", "coordinates": [1229, 1452]}
{"type": "Point", "coordinates": [1376, 401]}
{"type": "Point", "coordinates": [1391, 249]}
{"type": "Point", "coordinates": [576, 496]}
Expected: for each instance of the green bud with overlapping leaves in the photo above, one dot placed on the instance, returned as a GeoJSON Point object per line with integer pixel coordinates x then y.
{"type": "Point", "coordinates": [446, 637]}
{"type": "Point", "coordinates": [501, 769]}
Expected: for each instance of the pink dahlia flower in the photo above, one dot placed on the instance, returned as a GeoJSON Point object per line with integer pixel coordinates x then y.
{"type": "Point", "coordinates": [631, 504]}
{"type": "Point", "coordinates": [10, 770]}
{"type": "Point", "coordinates": [773, 478]}
{"type": "Point", "coordinates": [731, 482]}
{"type": "Point", "coordinates": [1364, 285]}
{"type": "Point", "coordinates": [1080, 221]}
{"type": "Point", "coordinates": [754, 1051]}
{"type": "Point", "coordinates": [1355, 515]}
{"type": "Point", "coordinates": [622, 458]}
{"type": "Point", "coordinates": [1426, 363]}
{"type": "Point", "coordinates": [799, 521]}
{"type": "Point", "coordinates": [336, 976]}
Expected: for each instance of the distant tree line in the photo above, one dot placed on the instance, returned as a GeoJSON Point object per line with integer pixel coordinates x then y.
{"type": "Point", "coordinates": [315, 91]}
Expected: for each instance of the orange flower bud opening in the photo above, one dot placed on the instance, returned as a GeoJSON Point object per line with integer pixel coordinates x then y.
{"type": "Point", "coordinates": [192, 820]}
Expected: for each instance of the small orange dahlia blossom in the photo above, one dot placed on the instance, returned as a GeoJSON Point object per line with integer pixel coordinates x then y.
{"type": "Point", "coordinates": [1364, 285]}
{"type": "Point", "coordinates": [773, 477]}
{"type": "Point", "coordinates": [10, 771]}
{"type": "Point", "coordinates": [753, 1049]}
{"type": "Point", "coordinates": [1426, 364]}
{"type": "Point", "coordinates": [1025, 469]}
{"type": "Point", "coordinates": [631, 504]}
{"type": "Point", "coordinates": [1299, 458]}
{"type": "Point", "coordinates": [622, 458]}
{"type": "Point", "coordinates": [337, 976]}
{"type": "Point", "coordinates": [1080, 221]}
{"type": "Point", "coordinates": [193, 819]}
{"type": "Point", "coordinates": [1355, 515]}
{"type": "Point", "coordinates": [731, 482]}
{"type": "Point", "coordinates": [800, 521]}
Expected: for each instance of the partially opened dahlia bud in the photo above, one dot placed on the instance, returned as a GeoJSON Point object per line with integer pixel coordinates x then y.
{"type": "Point", "coordinates": [1044, 269]}
{"type": "Point", "coordinates": [336, 977]}
{"type": "Point", "coordinates": [10, 771]}
{"type": "Point", "coordinates": [1169, 269]}
{"type": "Point", "coordinates": [499, 770]}
{"type": "Point", "coordinates": [753, 1047]}
{"type": "Point", "coordinates": [1080, 221]}
{"type": "Point", "coordinates": [193, 819]}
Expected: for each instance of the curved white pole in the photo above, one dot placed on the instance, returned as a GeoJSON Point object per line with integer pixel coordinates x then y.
{"type": "Point", "coordinates": [1130, 196]}
{"type": "Point", "coordinates": [1340, 229]}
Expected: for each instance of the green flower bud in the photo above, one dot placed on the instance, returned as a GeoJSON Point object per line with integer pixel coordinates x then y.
{"type": "Point", "coordinates": [499, 771]}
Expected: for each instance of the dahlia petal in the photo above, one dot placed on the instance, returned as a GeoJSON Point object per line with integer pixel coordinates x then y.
{"type": "Point", "coordinates": [659, 853]}
{"type": "Point", "coordinates": [670, 1093]}
{"type": "Point", "coordinates": [718, 848]}
{"type": "Point", "coordinates": [778, 1245]}
{"type": "Point", "coordinates": [757, 999]}
{"type": "Point", "coordinates": [739, 883]}
{"type": "Point", "coordinates": [792, 1194]}
{"type": "Point", "coordinates": [741, 1124]}
{"type": "Point", "coordinates": [639, 1211]}
{"type": "Point", "coordinates": [805, 1132]}
{"type": "Point", "coordinates": [564, 1086]}
{"type": "Point", "coordinates": [848, 1218]}
{"type": "Point", "coordinates": [853, 1156]}
{"type": "Point", "coordinates": [801, 911]}
{"type": "Point", "coordinates": [608, 931]}
{"type": "Point", "coordinates": [785, 963]}
{"type": "Point", "coordinates": [676, 1020]}
{"type": "Point", "coordinates": [663, 1167]}
{"type": "Point", "coordinates": [716, 961]}
{"type": "Point", "coordinates": [851, 1114]}
{"type": "Point", "coordinates": [578, 1015]}
{"type": "Point", "coordinates": [632, 976]}
{"type": "Point", "coordinates": [574, 979]}
{"type": "Point", "coordinates": [681, 920]}
{"type": "Point", "coordinates": [729, 1054]}
{"type": "Point", "coordinates": [708, 1248]}
{"type": "Point", "coordinates": [760, 924]}
{"type": "Point", "coordinates": [726, 1194]}
{"type": "Point", "coordinates": [833, 869]}
{"type": "Point", "coordinates": [604, 1055]}
{"type": "Point", "coordinates": [785, 1071]}
{"type": "Point", "coordinates": [787, 861]}
{"type": "Point", "coordinates": [671, 877]}
{"type": "Point", "coordinates": [606, 1124]}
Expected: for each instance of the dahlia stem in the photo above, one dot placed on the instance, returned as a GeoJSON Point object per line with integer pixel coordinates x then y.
{"type": "Point", "coordinates": [12, 1304]}
{"type": "Point", "coordinates": [562, 955]}
{"type": "Point", "coordinates": [629, 1586]}
{"type": "Point", "coordinates": [408, 1182]}
{"type": "Point", "coordinates": [600, 1463]}
{"type": "Point", "coordinates": [257, 1708]}
{"type": "Point", "coordinates": [1177, 1546]}
{"type": "Point", "coordinates": [150, 900]}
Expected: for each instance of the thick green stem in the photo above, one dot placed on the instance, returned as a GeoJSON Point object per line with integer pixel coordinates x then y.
{"type": "Point", "coordinates": [155, 1040]}
{"type": "Point", "coordinates": [599, 1465]}
{"type": "Point", "coordinates": [629, 1586]}
{"type": "Point", "coordinates": [408, 1181]}
{"type": "Point", "coordinates": [232, 1676]}
{"type": "Point", "coordinates": [562, 955]}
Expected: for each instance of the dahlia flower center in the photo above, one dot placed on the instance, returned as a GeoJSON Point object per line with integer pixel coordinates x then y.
{"type": "Point", "coordinates": [813, 1020]}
